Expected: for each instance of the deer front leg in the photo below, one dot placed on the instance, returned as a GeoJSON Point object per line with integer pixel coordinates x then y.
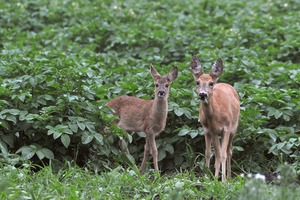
{"type": "Point", "coordinates": [229, 156]}
{"type": "Point", "coordinates": [207, 148]}
{"type": "Point", "coordinates": [216, 143]}
{"type": "Point", "coordinates": [153, 149]}
{"type": "Point", "coordinates": [223, 154]}
{"type": "Point", "coordinates": [146, 155]}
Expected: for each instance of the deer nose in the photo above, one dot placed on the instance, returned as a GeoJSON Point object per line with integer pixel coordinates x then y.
{"type": "Point", "coordinates": [202, 95]}
{"type": "Point", "coordinates": [161, 93]}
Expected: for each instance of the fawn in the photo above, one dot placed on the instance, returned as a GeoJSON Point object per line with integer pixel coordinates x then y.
{"type": "Point", "coordinates": [219, 114]}
{"type": "Point", "coordinates": [148, 116]}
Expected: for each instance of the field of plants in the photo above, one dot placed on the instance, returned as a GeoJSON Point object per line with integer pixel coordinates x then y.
{"type": "Point", "coordinates": [62, 60]}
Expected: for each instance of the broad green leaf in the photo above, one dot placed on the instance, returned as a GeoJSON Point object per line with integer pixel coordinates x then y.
{"type": "Point", "coordinates": [27, 152]}
{"type": "Point", "coordinates": [4, 149]}
{"type": "Point", "coordinates": [169, 148]}
{"type": "Point", "coordinates": [56, 134]}
{"type": "Point", "coordinates": [48, 153]}
{"type": "Point", "coordinates": [141, 134]}
{"type": "Point", "coordinates": [40, 154]}
{"type": "Point", "coordinates": [23, 115]}
{"type": "Point", "coordinates": [129, 137]}
{"type": "Point", "coordinates": [90, 126]}
{"type": "Point", "coordinates": [11, 118]}
{"type": "Point", "coordinates": [99, 138]}
{"type": "Point", "coordinates": [8, 139]}
{"type": "Point", "coordinates": [65, 139]}
{"type": "Point", "coordinates": [73, 127]}
{"type": "Point", "coordinates": [161, 154]}
{"type": "Point", "coordinates": [86, 137]}
{"type": "Point", "coordinates": [183, 132]}
{"type": "Point", "coordinates": [4, 124]}
{"type": "Point", "coordinates": [179, 111]}
{"type": "Point", "coordinates": [193, 133]}
{"type": "Point", "coordinates": [81, 125]}
{"type": "Point", "coordinates": [68, 131]}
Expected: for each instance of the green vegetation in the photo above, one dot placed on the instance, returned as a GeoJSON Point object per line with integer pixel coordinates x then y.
{"type": "Point", "coordinates": [62, 60]}
{"type": "Point", "coordinates": [77, 183]}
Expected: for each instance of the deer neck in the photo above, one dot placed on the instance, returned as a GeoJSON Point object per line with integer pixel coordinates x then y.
{"type": "Point", "coordinates": [208, 107]}
{"type": "Point", "coordinates": [160, 108]}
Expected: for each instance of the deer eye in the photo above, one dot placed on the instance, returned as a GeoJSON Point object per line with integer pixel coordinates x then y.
{"type": "Point", "coordinates": [156, 85]}
{"type": "Point", "coordinates": [211, 84]}
{"type": "Point", "coordinates": [167, 85]}
{"type": "Point", "coordinates": [197, 82]}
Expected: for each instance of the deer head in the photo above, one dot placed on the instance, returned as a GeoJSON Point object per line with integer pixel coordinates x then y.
{"type": "Point", "coordinates": [162, 83]}
{"type": "Point", "coordinates": [205, 82]}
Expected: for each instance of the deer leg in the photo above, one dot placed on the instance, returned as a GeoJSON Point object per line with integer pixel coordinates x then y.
{"type": "Point", "coordinates": [229, 155]}
{"type": "Point", "coordinates": [216, 143]}
{"type": "Point", "coordinates": [154, 152]}
{"type": "Point", "coordinates": [146, 155]}
{"type": "Point", "coordinates": [223, 156]}
{"type": "Point", "coordinates": [207, 148]}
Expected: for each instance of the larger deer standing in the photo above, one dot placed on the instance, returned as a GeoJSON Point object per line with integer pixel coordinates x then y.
{"type": "Point", "coordinates": [219, 114]}
{"type": "Point", "coordinates": [148, 116]}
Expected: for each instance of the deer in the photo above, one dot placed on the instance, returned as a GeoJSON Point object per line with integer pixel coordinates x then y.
{"type": "Point", "coordinates": [219, 114]}
{"type": "Point", "coordinates": [148, 116]}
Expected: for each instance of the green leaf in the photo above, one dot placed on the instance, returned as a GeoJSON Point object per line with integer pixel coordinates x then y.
{"type": "Point", "coordinates": [47, 153]}
{"type": "Point", "coordinates": [73, 127]}
{"type": "Point", "coordinates": [11, 118]}
{"type": "Point", "coordinates": [169, 148]}
{"type": "Point", "coordinates": [4, 124]}
{"type": "Point", "coordinates": [179, 111]}
{"type": "Point", "coordinates": [161, 154]}
{"type": "Point", "coordinates": [65, 139]}
{"type": "Point", "coordinates": [90, 126]}
{"type": "Point", "coordinates": [86, 137]}
{"type": "Point", "coordinates": [99, 138]}
{"type": "Point", "coordinates": [81, 125]}
{"type": "Point", "coordinates": [183, 132]}
{"type": "Point", "coordinates": [193, 133]}
{"type": "Point", "coordinates": [56, 134]}
{"type": "Point", "coordinates": [3, 148]}
{"type": "Point", "coordinates": [141, 134]}
{"type": "Point", "coordinates": [129, 137]}
{"type": "Point", "coordinates": [8, 139]}
{"type": "Point", "coordinates": [40, 155]}
{"type": "Point", "coordinates": [67, 130]}
{"type": "Point", "coordinates": [27, 152]}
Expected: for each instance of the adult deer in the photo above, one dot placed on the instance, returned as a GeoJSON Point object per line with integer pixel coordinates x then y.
{"type": "Point", "coordinates": [219, 114]}
{"type": "Point", "coordinates": [148, 116]}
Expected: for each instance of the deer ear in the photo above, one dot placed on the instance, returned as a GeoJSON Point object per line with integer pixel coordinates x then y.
{"type": "Point", "coordinates": [153, 71]}
{"type": "Point", "coordinates": [216, 69]}
{"type": "Point", "coordinates": [172, 75]}
{"type": "Point", "coordinates": [196, 68]}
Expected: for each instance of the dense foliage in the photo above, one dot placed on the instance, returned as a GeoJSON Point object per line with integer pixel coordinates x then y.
{"type": "Point", "coordinates": [61, 61]}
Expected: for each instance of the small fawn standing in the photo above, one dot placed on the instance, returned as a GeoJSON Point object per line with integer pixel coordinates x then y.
{"type": "Point", "coordinates": [148, 116]}
{"type": "Point", "coordinates": [219, 114]}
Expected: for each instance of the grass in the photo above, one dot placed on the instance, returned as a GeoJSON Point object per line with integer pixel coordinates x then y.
{"type": "Point", "coordinates": [77, 183]}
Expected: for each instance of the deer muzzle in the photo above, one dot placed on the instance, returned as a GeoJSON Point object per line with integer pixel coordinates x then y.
{"type": "Point", "coordinates": [203, 96]}
{"type": "Point", "coordinates": [161, 93]}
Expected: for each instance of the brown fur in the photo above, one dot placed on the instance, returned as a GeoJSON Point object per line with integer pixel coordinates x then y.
{"type": "Point", "coordinates": [219, 114]}
{"type": "Point", "coordinates": [148, 116]}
